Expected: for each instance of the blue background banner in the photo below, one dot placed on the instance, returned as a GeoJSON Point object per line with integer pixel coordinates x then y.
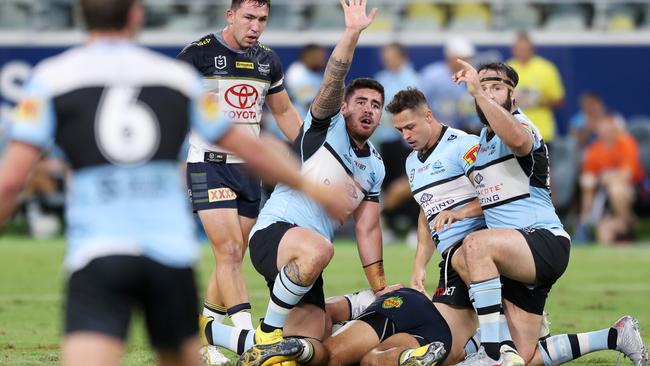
{"type": "Point", "coordinates": [619, 73]}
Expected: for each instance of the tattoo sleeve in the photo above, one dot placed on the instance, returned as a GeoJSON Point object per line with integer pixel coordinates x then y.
{"type": "Point", "coordinates": [330, 96]}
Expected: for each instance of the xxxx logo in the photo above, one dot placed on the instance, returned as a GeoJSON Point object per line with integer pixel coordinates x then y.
{"type": "Point", "coordinates": [221, 194]}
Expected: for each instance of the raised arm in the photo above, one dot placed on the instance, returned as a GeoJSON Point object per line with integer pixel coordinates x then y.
{"type": "Point", "coordinates": [502, 122]}
{"type": "Point", "coordinates": [330, 95]}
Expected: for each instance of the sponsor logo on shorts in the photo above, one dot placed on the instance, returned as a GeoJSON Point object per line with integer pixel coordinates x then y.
{"type": "Point", "coordinates": [393, 302]}
{"type": "Point", "coordinates": [244, 65]}
{"type": "Point", "coordinates": [478, 178]}
{"type": "Point", "coordinates": [221, 194]}
{"type": "Point", "coordinates": [441, 291]}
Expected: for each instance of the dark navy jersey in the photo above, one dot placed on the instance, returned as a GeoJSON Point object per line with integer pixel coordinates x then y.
{"type": "Point", "coordinates": [240, 78]}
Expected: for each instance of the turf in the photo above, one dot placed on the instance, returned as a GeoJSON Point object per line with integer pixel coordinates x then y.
{"type": "Point", "coordinates": [600, 285]}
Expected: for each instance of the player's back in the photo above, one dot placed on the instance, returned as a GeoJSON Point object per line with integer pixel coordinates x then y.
{"type": "Point", "coordinates": [120, 114]}
{"type": "Point", "coordinates": [438, 180]}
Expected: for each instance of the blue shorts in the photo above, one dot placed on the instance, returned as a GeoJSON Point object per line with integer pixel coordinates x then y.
{"type": "Point", "coordinates": [220, 185]}
{"type": "Point", "coordinates": [407, 311]}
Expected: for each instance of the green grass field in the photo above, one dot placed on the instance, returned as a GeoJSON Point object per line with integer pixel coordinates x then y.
{"type": "Point", "coordinates": [600, 285]}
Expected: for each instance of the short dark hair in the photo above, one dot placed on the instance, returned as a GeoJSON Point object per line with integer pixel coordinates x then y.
{"type": "Point", "coordinates": [235, 4]}
{"type": "Point", "coordinates": [399, 48]}
{"type": "Point", "coordinates": [363, 83]}
{"type": "Point", "coordinates": [308, 48]}
{"type": "Point", "coordinates": [502, 68]}
{"type": "Point", "coordinates": [106, 14]}
{"type": "Point", "coordinates": [409, 98]}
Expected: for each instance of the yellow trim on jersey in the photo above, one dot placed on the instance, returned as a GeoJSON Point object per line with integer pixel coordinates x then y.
{"type": "Point", "coordinates": [237, 78]}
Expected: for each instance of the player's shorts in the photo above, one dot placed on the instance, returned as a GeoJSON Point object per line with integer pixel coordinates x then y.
{"type": "Point", "coordinates": [101, 296]}
{"type": "Point", "coordinates": [263, 248]}
{"type": "Point", "coordinates": [551, 256]}
{"type": "Point", "coordinates": [407, 311]}
{"type": "Point", "coordinates": [220, 185]}
{"type": "Point", "coordinates": [451, 288]}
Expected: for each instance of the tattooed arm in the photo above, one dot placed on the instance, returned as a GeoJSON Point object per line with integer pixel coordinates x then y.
{"type": "Point", "coordinates": [330, 96]}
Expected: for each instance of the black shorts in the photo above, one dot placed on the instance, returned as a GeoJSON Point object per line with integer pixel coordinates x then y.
{"type": "Point", "coordinates": [407, 311]}
{"type": "Point", "coordinates": [263, 248]}
{"type": "Point", "coordinates": [551, 255]}
{"type": "Point", "coordinates": [221, 185]}
{"type": "Point", "coordinates": [101, 296]}
{"type": "Point", "coordinates": [451, 288]}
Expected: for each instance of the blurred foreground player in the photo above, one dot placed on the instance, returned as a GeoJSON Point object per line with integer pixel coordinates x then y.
{"type": "Point", "coordinates": [121, 123]}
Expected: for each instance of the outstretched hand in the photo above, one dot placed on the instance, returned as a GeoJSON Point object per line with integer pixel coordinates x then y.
{"type": "Point", "coordinates": [469, 76]}
{"type": "Point", "coordinates": [355, 14]}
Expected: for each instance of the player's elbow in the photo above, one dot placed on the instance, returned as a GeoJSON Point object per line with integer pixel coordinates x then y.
{"type": "Point", "coordinates": [520, 144]}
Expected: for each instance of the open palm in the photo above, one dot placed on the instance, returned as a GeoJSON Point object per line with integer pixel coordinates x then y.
{"type": "Point", "coordinates": [355, 14]}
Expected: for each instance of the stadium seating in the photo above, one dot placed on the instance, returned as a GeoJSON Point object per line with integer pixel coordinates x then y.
{"type": "Point", "coordinates": [620, 18]}
{"type": "Point", "coordinates": [470, 17]}
{"type": "Point", "coordinates": [423, 16]}
{"type": "Point", "coordinates": [521, 17]}
{"type": "Point", "coordinates": [566, 17]}
{"type": "Point", "coordinates": [14, 15]}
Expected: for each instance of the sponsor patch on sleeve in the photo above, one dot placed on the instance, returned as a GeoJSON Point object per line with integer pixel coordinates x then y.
{"type": "Point", "coordinates": [470, 155]}
{"type": "Point", "coordinates": [532, 130]}
{"type": "Point", "coordinates": [28, 110]}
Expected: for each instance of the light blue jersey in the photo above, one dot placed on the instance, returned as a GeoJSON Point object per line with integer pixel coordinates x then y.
{"type": "Point", "coordinates": [328, 155]}
{"type": "Point", "coordinates": [514, 190]}
{"type": "Point", "coordinates": [439, 181]}
{"type": "Point", "coordinates": [120, 114]}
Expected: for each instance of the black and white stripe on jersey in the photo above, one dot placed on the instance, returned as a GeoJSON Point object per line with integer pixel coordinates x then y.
{"type": "Point", "coordinates": [76, 113]}
{"type": "Point", "coordinates": [78, 82]}
{"type": "Point", "coordinates": [534, 165]}
{"type": "Point", "coordinates": [449, 208]}
{"type": "Point", "coordinates": [436, 183]}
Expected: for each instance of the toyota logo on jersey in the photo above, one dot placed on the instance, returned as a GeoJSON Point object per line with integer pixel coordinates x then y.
{"type": "Point", "coordinates": [241, 96]}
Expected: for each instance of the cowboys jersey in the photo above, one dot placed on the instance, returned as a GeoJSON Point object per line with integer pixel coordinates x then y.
{"type": "Point", "coordinates": [329, 156]}
{"type": "Point", "coordinates": [121, 124]}
{"type": "Point", "coordinates": [241, 79]}
{"type": "Point", "coordinates": [439, 181]}
{"type": "Point", "coordinates": [514, 190]}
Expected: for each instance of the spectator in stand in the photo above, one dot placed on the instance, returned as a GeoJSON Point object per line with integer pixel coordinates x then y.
{"type": "Point", "coordinates": [305, 76]}
{"type": "Point", "coordinates": [582, 126]}
{"type": "Point", "coordinates": [540, 88]}
{"type": "Point", "coordinates": [611, 173]}
{"type": "Point", "coordinates": [402, 213]}
{"type": "Point", "coordinates": [450, 103]}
